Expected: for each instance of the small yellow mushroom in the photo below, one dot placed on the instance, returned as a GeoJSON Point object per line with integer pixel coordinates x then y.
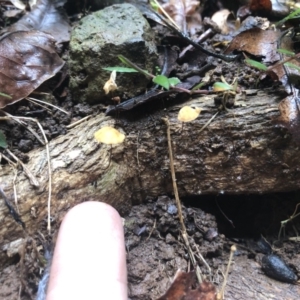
{"type": "Point", "coordinates": [109, 135]}
{"type": "Point", "coordinates": [188, 114]}
{"type": "Point", "coordinates": [110, 85]}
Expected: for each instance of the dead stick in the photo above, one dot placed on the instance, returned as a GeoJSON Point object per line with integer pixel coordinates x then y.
{"type": "Point", "coordinates": [178, 203]}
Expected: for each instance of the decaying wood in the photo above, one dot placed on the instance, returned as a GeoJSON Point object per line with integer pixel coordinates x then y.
{"type": "Point", "coordinates": [240, 152]}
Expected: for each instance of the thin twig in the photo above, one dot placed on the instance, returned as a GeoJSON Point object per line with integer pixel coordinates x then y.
{"type": "Point", "coordinates": [78, 122]}
{"type": "Point", "coordinates": [49, 167]}
{"type": "Point", "coordinates": [151, 231]}
{"type": "Point", "coordinates": [16, 119]}
{"type": "Point", "coordinates": [14, 165]}
{"type": "Point", "coordinates": [15, 189]}
{"type": "Point", "coordinates": [178, 203]}
{"type": "Point", "coordinates": [11, 209]}
{"type": "Point", "coordinates": [227, 58]}
{"type": "Point", "coordinates": [208, 122]}
{"type": "Point", "coordinates": [30, 176]}
{"type": "Point", "coordinates": [167, 15]}
{"type": "Point", "coordinates": [46, 103]}
{"type": "Point", "coordinates": [222, 292]}
{"type": "Point", "coordinates": [173, 175]}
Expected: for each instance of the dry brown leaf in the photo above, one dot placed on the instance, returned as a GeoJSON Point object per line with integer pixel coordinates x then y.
{"type": "Point", "coordinates": [182, 288]}
{"type": "Point", "coordinates": [27, 60]}
{"type": "Point", "coordinates": [45, 16]}
{"type": "Point", "coordinates": [21, 5]}
{"type": "Point", "coordinates": [191, 6]}
{"type": "Point", "coordinates": [290, 78]}
{"type": "Point", "coordinates": [260, 7]}
{"type": "Point", "coordinates": [181, 10]}
{"type": "Point", "coordinates": [220, 18]}
{"type": "Point", "coordinates": [257, 42]}
{"type": "Point", "coordinates": [257, 7]}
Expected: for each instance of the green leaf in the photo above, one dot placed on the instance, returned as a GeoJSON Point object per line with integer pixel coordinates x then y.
{"type": "Point", "coordinates": [221, 87]}
{"type": "Point", "coordinates": [174, 81]}
{"type": "Point", "coordinates": [127, 62]}
{"type": "Point", "coordinates": [120, 69]}
{"type": "Point", "coordinates": [291, 65]}
{"type": "Point", "coordinates": [256, 64]}
{"type": "Point", "coordinates": [5, 95]}
{"type": "Point", "coordinates": [287, 52]}
{"type": "Point", "coordinates": [290, 16]}
{"type": "Point", "coordinates": [153, 5]}
{"type": "Point", "coordinates": [162, 81]}
{"type": "Point", "coordinates": [3, 143]}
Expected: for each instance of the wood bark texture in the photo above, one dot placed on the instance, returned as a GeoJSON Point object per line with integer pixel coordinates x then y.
{"type": "Point", "coordinates": [241, 151]}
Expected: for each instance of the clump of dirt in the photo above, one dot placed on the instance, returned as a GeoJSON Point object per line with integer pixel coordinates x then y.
{"type": "Point", "coordinates": [155, 247]}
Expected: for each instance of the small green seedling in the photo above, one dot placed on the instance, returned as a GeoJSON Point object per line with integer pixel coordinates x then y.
{"type": "Point", "coordinates": [255, 64]}
{"type": "Point", "coordinates": [269, 70]}
{"type": "Point", "coordinates": [165, 82]}
{"type": "Point", "coordinates": [291, 65]}
{"type": "Point", "coordinates": [286, 52]}
{"type": "Point", "coordinates": [293, 15]}
{"type": "Point", "coordinates": [130, 64]}
{"type": "Point", "coordinates": [161, 80]}
{"type": "Point", "coordinates": [227, 90]}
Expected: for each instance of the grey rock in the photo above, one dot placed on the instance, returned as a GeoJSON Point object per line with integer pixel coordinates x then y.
{"type": "Point", "coordinates": [95, 43]}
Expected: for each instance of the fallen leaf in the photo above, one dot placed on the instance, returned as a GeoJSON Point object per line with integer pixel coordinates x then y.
{"type": "Point", "coordinates": [182, 288]}
{"type": "Point", "coordinates": [222, 87]}
{"type": "Point", "coordinates": [260, 7]}
{"type": "Point", "coordinates": [21, 5]}
{"type": "Point", "coordinates": [46, 16]}
{"type": "Point", "coordinates": [289, 75]}
{"type": "Point", "coordinates": [110, 85]}
{"type": "Point", "coordinates": [255, 7]}
{"type": "Point", "coordinates": [220, 18]}
{"type": "Point", "coordinates": [181, 10]}
{"type": "Point", "coordinates": [27, 60]}
{"type": "Point", "coordinates": [257, 42]}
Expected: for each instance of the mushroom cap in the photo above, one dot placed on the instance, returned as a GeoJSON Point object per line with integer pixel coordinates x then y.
{"type": "Point", "coordinates": [188, 114]}
{"type": "Point", "coordinates": [109, 135]}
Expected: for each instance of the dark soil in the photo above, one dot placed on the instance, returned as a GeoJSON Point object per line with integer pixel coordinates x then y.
{"type": "Point", "coordinates": [155, 250]}
{"type": "Point", "coordinates": [153, 238]}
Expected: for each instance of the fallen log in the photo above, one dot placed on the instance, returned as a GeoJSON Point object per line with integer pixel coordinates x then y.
{"type": "Point", "coordinates": [241, 151]}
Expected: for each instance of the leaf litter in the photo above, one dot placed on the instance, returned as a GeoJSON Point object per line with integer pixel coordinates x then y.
{"type": "Point", "coordinates": [27, 60]}
{"type": "Point", "coordinates": [237, 49]}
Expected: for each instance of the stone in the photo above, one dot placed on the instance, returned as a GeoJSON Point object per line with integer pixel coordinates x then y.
{"type": "Point", "coordinates": [97, 41]}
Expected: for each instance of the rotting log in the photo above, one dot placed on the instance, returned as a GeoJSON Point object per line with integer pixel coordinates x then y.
{"type": "Point", "coordinates": [241, 151]}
